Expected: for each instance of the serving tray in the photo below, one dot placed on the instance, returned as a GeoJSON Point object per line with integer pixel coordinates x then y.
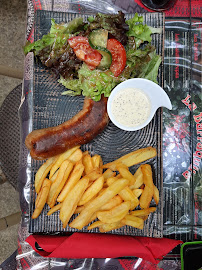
{"type": "Point", "coordinates": [50, 108]}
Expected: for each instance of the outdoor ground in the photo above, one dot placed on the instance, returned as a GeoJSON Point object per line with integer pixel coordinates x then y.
{"type": "Point", "coordinates": [12, 29]}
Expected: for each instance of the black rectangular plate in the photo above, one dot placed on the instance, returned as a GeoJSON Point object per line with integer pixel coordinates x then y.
{"type": "Point", "coordinates": [50, 108]}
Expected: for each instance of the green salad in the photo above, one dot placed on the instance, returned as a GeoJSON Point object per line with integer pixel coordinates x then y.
{"type": "Point", "coordinates": [92, 57]}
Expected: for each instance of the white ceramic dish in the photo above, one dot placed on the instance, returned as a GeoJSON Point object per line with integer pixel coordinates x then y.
{"type": "Point", "coordinates": [154, 92]}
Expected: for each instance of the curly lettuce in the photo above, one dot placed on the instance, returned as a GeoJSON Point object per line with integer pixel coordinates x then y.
{"type": "Point", "coordinates": [142, 63]}
{"type": "Point", "coordinates": [114, 23]}
{"type": "Point", "coordinates": [90, 83]}
{"type": "Point", "coordinates": [140, 31]}
{"type": "Point", "coordinates": [57, 37]}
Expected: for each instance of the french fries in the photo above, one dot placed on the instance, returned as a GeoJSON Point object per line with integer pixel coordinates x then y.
{"type": "Point", "coordinates": [54, 176]}
{"type": "Point", "coordinates": [62, 158]}
{"type": "Point", "coordinates": [88, 164]}
{"type": "Point", "coordinates": [133, 221]}
{"type": "Point", "coordinates": [92, 191]}
{"type": "Point", "coordinates": [137, 192]}
{"type": "Point", "coordinates": [42, 173]}
{"type": "Point", "coordinates": [115, 201]}
{"type": "Point", "coordinates": [76, 156]}
{"type": "Point", "coordinates": [143, 212]}
{"type": "Point", "coordinates": [94, 174]}
{"type": "Point", "coordinates": [73, 179]}
{"type": "Point", "coordinates": [132, 158]}
{"type": "Point", "coordinates": [138, 176]}
{"type": "Point", "coordinates": [156, 195]}
{"type": "Point", "coordinates": [148, 191]}
{"type": "Point", "coordinates": [115, 214]}
{"type": "Point", "coordinates": [125, 173]}
{"type": "Point", "coordinates": [83, 219]}
{"type": "Point", "coordinates": [41, 198]}
{"type": "Point", "coordinates": [54, 209]}
{"type": "Point", "coordinates": [107, 227]}
{"type": "Point", "coordinates": [126, 194]}
{"type": "Point", "coordinates": [108, 173]}
{"type": "Point", "coordinates": [70, 203]}
{"type": "Point", "coordinates": [97, 161]}
{"type": "Point", "coordinates": [95, 225]}
{"type": "Point", "coordinates": [110, 199]}
{"type": "Point", "coordinates": [59, 182]}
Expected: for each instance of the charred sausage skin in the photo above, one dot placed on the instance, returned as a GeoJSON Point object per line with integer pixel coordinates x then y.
{"type": "Point", "coordinates": [80, 129]}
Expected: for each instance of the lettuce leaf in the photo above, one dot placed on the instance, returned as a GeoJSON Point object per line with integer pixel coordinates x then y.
{"type": "Point", "coordinates": [66, 28]}
{"type": "Point", "coordinates": [58, 35]}
{"type": "Point", "coordinates": [140, 31]}
{"type": "Point", "coordinates": [114, 23]}
{"type": "Point", "coordinates": [91, 83]}
{"type": "Point", "coordinates": [150, 69]}
{"type": "Point", "coordinates": [142, 63]}
{"type": "Point", "coordinates": [37, 46]}
{"type": "Point", "coordinates": [73, 85]}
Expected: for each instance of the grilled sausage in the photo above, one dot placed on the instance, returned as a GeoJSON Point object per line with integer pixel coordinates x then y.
{"type": "Point", "coordinates": [80, 129]}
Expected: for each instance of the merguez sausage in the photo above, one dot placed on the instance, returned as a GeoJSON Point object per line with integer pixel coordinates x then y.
{"type": "Point", "coordinates": [80, 129]}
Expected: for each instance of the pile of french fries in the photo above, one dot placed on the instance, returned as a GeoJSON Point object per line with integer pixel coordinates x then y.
{"type": "Point", "coordinates": [108, 195]}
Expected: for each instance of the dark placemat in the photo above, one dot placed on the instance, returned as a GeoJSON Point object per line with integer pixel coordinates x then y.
{"type": "Point", "coordinates": [50, 109]}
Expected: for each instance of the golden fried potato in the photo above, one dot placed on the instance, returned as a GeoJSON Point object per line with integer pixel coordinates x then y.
{"type": "Point", "coordinates": [74, 177]}
{"type": "Point", "coordinates": [111, 180]}
{"type": "Point", "coordinates": [115, 214]}
{"type": "Point", "coordinates": [54, 209]}
{"type": "Point", "coordinates": [96, 160]}
{"type": "Point", "coordinates": [76, 156]}
{"type": "Point", "coordinates": [61, 158]}
{"type": "Point", "coordinates": [42, 198]}
{"type": "Point", "coordinates": [148, 191]}
{"type": "Point", "coordinates": [52, 179]}
{"type": "Point", "coordinates": [95, 225]}
{"type": "Point", "coordinates": [108, 173]}
{"type": "Point", "coordinates": [133, 221]}
{"type": "Point", "coordinates": [85, 215]}
{"type": "Point", "coordinates": [58, 184]}
{"type": "Point", "coordinates": [156, 195]}
{"type": "Point", "coordinates": [88, 164]}
{"type": "Point", "coordinates": [138, 176]}
{"type": "Point", "coordinates": [107, 227]}
{"type": "Point", "coordinates": [143, 212]}
{"type": "Point", "coordinates": [71, 201]}
{"type": "Point", "coordinates": [92, 191]}
{"type": "Point", "coordinates": [94, 174]}
{"type": "Point", "coordinates": [116, 200]}
{"type": "Point", "coordinates": [125, 173]}
{"type": "Point", "coordinates": [79, 209]}
{"type": "Point", "coordinates": [43, 172]}
{"type": "Point", "coordinates": [126, 194]}
{"type": "Point", "coordinates": [132, 158]}
{"type": "Point", "coordinates": [137, 192]}
{"type": "Point", "coordinates": [77, 181]}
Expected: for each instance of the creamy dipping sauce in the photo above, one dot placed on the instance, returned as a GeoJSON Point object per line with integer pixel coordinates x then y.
{"type": "Point", "coordinates": [131, 107]}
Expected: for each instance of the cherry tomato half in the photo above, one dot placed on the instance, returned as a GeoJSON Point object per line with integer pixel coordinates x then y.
{"type": "Point", "coordinates": [84, 51]}
{"type": "Point", "coordinates": [118, 56]}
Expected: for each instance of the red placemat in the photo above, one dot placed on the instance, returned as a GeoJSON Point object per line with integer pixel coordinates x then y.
{"type": "Point", "coordinates": [181, 8]}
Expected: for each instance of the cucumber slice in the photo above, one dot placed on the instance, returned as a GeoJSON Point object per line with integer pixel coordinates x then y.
{"type": "Point", "coordinates": [98, 38]}
{"type": "Point", "coordinates": [98, 41]}
{"type": "Point", "coordinates": [106, 59]}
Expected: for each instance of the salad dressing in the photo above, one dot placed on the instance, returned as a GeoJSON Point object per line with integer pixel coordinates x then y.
{"type": "Point", "coordinates": [131, 107]}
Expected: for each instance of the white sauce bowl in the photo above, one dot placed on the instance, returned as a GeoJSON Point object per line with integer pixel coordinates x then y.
{"type": "Point", "coordinates": [157, 97]}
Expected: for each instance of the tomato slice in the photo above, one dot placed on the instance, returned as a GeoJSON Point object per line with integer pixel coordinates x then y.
{"type": "Point", "coordinates": [118, 56]}
{"type": "Point", "coordinates": [84, 52]}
